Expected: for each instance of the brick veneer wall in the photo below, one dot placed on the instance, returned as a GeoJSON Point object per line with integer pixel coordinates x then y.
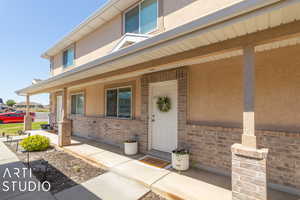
{"type": "Point", "coordinates": [211, 148]}
{"type": "Point", "coordinates": [108, 130]}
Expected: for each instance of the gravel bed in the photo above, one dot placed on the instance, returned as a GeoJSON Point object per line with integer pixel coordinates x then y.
{"type": "Point", "coordinates": [63, 170]}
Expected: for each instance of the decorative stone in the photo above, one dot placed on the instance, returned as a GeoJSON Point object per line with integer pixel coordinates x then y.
{"type": "Point", "coordinates": [64, 133]}
{"type": "Point", "coordinates": [249, 177]}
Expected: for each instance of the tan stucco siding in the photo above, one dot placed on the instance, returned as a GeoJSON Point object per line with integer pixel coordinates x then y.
{"type": "Point", "coordinates": [100, 42]}
{"type": "Point", "coordinates": [216, 91]}
{"type": "Point", "coordinates": [95, 96]}
{"type": "Point", "coordinates": [94, 100]}
{"type": "Point", "coordinates": [179, 12]}
{"type": "Point", "coordinates": [95, 45]}
{"type": "Point", "coordinates": [57, 64]}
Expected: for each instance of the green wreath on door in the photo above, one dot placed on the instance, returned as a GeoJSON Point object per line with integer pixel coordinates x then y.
{"type": "Point", "coordinates": [164, 104]}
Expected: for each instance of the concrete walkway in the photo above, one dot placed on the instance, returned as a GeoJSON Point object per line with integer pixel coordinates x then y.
{"type": "Point", "coordinates": [165, 182]}
{"type": "Point", "coordinates": [108, 186]}
{"type": "Point", "coordinates": [191, 185]}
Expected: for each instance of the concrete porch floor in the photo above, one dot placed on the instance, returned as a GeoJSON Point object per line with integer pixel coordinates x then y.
{"type": "Point", "coordinates": [193, 184]}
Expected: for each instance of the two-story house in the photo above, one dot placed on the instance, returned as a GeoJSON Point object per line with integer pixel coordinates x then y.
{"type": "Point", "coordinates": [225, 71]}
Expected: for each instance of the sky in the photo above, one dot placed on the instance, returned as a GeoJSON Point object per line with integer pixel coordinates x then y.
{"type": "Point", "coordinates": [27, 29]}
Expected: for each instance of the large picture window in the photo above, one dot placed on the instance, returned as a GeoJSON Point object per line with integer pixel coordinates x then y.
{"type": "Point", "coordinates": [77, 104]}
{"type": "Point", "coordinates": [118, 102]}
{"type": "Point", "coordinates": [142, 18]}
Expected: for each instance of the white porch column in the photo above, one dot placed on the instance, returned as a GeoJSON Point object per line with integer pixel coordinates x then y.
{"type": "Point", "coordinates": [27, 117]}
{"type": "Point", "coordinates": [64, 127]}
{"type": "Point", "coordinates": [248, 137]}
{"type": "Point", "coordinates": [249, 164]}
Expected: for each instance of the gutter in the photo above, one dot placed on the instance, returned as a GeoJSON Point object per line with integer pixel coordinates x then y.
{"type": "Point", "coordinates": [214, 18]}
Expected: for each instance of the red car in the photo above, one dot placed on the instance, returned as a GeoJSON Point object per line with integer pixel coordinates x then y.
{"type": "Point", "coordinates": [13, 117]}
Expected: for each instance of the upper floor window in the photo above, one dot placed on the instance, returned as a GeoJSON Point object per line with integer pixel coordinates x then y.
{"type": "Point", "coordinates": [68, 57]}
{"type": "Point", "coordinates": [142, 18]}
{"type": "Point", "coordinates": [51, 64]}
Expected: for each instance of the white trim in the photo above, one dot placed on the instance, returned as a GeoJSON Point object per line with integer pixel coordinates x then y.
{"type": "Point", "coordinates": [130, 37]}
{"type": "Point", "coordinates": [56, 108]}
{"type": "Point", "coordinates": [139, 5]}
{"type": "Point", "coordinates": [150, 108]}
{"type": "Point", "coordinates": [131, 102]}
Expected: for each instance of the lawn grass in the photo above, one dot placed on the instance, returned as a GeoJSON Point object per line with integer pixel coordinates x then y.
{"type": "Point", "coordinates": [12, 129]}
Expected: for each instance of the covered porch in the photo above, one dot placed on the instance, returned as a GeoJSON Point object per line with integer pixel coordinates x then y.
{"type": "Point", "coordinates": [218, 127]}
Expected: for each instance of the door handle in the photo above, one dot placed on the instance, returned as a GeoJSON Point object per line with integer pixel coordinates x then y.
{"type": "Point", "coordinates": [153, 118]}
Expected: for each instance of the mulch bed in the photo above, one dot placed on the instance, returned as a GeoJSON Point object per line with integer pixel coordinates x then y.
{"type": "Point", "coordinates": [63, 170]}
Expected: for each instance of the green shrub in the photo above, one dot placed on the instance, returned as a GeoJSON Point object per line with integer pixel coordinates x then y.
{"type": "Point", "coordinates": [35, 143]}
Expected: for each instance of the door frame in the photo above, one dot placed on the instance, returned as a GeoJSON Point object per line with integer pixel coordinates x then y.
{"type": "Point", "coordinates": [56, 107]}
{"type": "Point", "coordinates": [150, 104]}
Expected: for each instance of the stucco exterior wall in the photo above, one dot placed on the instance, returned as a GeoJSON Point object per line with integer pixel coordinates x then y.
{"type": "Point", "coordinates": [95, 96]}
{"type": "Point", "coordinates": [179, 12]}
{"type": "Point", "coordinates": [101, 41]}
{"type": "Point", "coordinates": [216, 91]}
{"type": "Point", "coordinates": [95, 45]}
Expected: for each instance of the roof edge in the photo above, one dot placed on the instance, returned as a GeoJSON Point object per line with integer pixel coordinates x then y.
{"type": "Point", "coordinates": [95, 14]}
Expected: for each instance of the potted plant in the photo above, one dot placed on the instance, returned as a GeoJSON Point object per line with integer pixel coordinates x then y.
{"type": "Point", "coordinates": [131, 147]}
{"type": "Point", "coordinates": [180, 159]}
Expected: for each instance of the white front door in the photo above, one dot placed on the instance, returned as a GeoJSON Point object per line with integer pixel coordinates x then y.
{"type": "Point", "coordinates": [58, 108]}
{"type": "Point", "coordinates": [163, 125]}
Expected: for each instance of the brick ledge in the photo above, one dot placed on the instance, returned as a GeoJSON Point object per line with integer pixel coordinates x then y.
{"type": "Point", "coordinates": [241, 150]}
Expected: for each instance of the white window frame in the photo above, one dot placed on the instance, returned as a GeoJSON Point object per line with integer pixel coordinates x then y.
{"type": "Point", "coordinates": [139, 5]}
{"type": "Point", "coordinates": [63, 52]}
{"type": "Point", "coordinates": [131, 103]}
{"type": "Point", "coordinates": [74, 94]}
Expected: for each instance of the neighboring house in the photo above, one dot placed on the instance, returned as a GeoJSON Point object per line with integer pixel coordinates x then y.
{"type": "Point", "coordinates": [32, 105]}
{"type": "Point", "coordinates": [229, 68]}
{"type": "Point", "coordinates": [3, 107]}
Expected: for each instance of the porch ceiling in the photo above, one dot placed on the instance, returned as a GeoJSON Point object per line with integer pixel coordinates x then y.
{"type": "Point", "coordinates": [240, 19]}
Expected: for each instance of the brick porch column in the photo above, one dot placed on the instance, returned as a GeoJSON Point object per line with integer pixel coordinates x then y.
{"type": "Point", "coordinates": [249, 177]}
{"type": "Point", "coordinates": [27, 117]}
{"type": "Point", "coordinates": [64, 126]}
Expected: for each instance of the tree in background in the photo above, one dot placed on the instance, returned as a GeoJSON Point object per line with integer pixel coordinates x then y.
{"type": "Point", "coordinates": [10, 102]}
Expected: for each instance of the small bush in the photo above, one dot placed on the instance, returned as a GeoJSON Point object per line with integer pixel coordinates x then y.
{"type": "Point", "coordinates": [35, 143]}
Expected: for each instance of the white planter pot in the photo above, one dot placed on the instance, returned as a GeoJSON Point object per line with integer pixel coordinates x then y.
{"type": "Point", "coordinates": [180, 161]}
{"type": "Point", "coordinates": [131, 148]}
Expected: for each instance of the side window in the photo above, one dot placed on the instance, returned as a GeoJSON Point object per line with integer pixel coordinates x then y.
{"type": "Point", "coordinates": [68, 57]}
